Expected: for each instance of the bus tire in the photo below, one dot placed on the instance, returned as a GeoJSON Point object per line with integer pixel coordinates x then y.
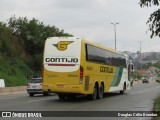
{"type": "Point", "coordinates": [101, 91]}
{"type": "Point", "coordinates": [132, 83]}
{"type": "Point", "coordinates": [124, 88]}
{"type": "Point", "coordinates": [31, 94]}
{"type": "Point", "coordinates": [93, 96]}
{"type": "Point", "coordinates": [62, 96]}
{"type": "Point", "coordinates": [71, 97]}
{"type": "Point", "coordinates": [45, 93]}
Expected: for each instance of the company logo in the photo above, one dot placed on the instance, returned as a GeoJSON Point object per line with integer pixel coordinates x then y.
{"type": "Point", "coordinates": [106, 69]}
{"type": "Point", "coordinates": [62, 45]}
{"type": "Point", "coordinates": [59, 60]}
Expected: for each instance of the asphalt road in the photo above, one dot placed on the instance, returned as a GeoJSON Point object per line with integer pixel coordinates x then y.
{"type": "Point", "coordinates": [139, 98]}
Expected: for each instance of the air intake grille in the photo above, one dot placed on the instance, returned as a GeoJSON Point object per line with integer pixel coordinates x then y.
{"type": "Point", "coordinates": [86, 87]}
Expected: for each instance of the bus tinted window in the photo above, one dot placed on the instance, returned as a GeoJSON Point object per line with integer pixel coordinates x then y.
{"type": "Point", "coordinates": [100, 58]}
{"type": "Point", "coordinates": [99, 55]}
{"type": "Point", "coordinates": [91, 53]}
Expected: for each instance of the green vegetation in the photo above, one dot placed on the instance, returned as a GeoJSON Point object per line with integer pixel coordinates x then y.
{"type": "Point", "coordinates": [156, 107]}
{"type": "Point", "coordinates": [14, 70]}
{"type": "Point", "coordinates": [157, 104]}
{"type": "Point", "coordinates": [157, 65]}
{"type": "Point", "coordinates": [21, 48]}
{"type": "Point", "coordinates": [158, 81]}
{"type": "Point", "coordinates": [157, 101]}
{"type": "Point", "coordinates": [153, 21]}
{"type": "Point", "coordinates": [154, 27]}
{"type": "Point", "coordinates": [136, 75]}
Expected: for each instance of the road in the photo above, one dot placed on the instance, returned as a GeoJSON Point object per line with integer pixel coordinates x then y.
{"type": "Point", "coordinates": [139, 98]}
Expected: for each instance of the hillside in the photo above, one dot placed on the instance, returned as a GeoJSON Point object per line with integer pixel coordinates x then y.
{"type": "Point", "coordinates": [21, 48]}
{"type": "Point", "coordinates": [148, 58]}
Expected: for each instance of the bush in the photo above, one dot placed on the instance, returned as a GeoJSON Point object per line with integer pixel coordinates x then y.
{"type": "Point", "coordinates": [158, 81]}
{"type": "Point", "coordinates": [13, 71]}
{"type": "Point", "coordinates": [21, 48]}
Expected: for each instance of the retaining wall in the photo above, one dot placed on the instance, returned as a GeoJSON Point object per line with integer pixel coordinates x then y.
{"type": "Point", "coordinates": [13, 90]}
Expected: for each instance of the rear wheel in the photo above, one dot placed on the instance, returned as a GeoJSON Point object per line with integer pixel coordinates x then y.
{"type": "Point", "coordinates": [101, 92]}
{"type": "Point", "coordinates": [95, 92]}
{"type": "Point", "coordinates": [62, 96]}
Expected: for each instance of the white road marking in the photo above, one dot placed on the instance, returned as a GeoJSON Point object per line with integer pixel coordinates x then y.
{"type": "Point", "coordinates": [7, 98]}
{"type": "Point", "coordinates": [136, 86]}
{"type": "Point", "coordinates": [40, 99]}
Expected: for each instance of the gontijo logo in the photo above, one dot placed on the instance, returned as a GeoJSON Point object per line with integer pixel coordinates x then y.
{"type": "Point", "coordinates": [62, 45]}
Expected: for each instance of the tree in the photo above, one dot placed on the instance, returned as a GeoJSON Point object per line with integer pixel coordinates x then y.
{"type": "Point", "coordinates": [154, 19]}
{"type": "Point", "coordinates": [33, 33]}
{"type": "Point", "coordinates": [5, 40]}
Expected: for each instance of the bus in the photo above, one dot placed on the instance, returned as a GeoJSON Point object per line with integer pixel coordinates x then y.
{"type": "Point", "coordinates": [73, 66]}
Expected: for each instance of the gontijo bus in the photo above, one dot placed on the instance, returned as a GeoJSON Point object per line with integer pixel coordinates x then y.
{"type": "Point", "coordinates": [75, 66]}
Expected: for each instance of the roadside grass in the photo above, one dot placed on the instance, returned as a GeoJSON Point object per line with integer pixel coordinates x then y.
{"type": "Point", "coordinates": [158, 81]}
{"type": "Point", "coordinates": [157, 107]}
{"type": "Point", "coordinates": [157, 104]}
{"type": "Point", "coordinates": [13, 71]}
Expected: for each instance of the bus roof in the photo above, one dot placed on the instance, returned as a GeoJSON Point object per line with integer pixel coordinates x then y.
{"type": "Point", "coordinates": [103, 47]}
{"type": "Point", "coordinates": [91, 43]}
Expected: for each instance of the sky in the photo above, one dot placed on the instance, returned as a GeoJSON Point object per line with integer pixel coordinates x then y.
{"type": "Point", "coordinates": [91, 20]}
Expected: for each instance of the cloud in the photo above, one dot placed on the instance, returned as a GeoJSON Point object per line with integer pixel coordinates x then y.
{"type": "Point", "coordinates": [73, 4]}
{"type": "Point", "coordinates": [89, 19]}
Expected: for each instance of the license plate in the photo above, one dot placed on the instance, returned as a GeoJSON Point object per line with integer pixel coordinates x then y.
{"type": "Point", "coordinates": [60, 86]}
{"type": "Point", "coordinates": [34, 86]}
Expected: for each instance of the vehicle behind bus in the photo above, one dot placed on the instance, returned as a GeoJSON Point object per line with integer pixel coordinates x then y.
{"type": "Point", "coordinates": [34, 85]}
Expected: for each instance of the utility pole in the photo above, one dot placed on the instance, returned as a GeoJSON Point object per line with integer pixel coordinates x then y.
{"type": "Point", "coordinates": [140, 53]}
{"type": "Point", "coordinates": [114, 24]}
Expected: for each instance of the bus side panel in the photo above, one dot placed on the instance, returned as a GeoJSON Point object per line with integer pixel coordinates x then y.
{"type": "Point", "coordinates": [94, 72]}
{"type": "Point", "coordinates": [97, 73]}
{"type": "Point", "coordinates": [120, 77]}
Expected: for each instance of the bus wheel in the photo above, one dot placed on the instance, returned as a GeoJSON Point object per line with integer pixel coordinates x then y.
{"type": "Point", "coordinates": [62, 96]}
{"type": "Point", "coordinates": [124, 88]}
{"type": "Point", "coordinates": [94, 95]}
{"type": "Point", "coordinates": [101, 92]}
{"type": "Point", "coordinates": [45, 93]}
{"type": "Point", "coordinates": [31, 94]}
